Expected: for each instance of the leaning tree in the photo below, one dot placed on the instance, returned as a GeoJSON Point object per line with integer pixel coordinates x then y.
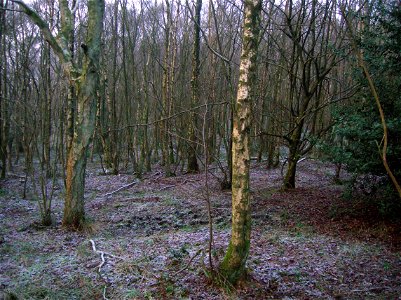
{"type": "Point", "coordinates": [84, 82]}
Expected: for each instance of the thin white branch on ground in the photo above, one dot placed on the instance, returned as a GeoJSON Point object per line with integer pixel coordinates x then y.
{"type": "Point", "coordinates": [102, 255]}
{"type": "Point", "coordinates": [121, 188]}
{"type": "Point", "coordinates": [167, 187]}
{"type": "Point", "coordinates": [104, 293]}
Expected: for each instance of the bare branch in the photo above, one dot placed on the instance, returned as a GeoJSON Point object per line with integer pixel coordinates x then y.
{"type": "Point", "coordinates": [45, 30]}
{"type": "Point", "coordinates": [9, 9]}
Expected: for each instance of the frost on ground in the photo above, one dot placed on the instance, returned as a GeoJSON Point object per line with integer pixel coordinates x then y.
{"type": "Point", "coordinates": [151, 240]}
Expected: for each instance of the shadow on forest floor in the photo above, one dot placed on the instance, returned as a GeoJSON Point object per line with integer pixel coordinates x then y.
{"type": "Point", "coordinates": [306, 243]}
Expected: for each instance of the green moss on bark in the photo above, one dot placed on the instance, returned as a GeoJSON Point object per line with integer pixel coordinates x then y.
{"type": "Point", "coordinates": [233, 267]}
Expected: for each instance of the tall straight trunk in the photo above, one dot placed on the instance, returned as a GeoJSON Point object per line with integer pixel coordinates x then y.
{"type": "Point", "coordinates": [71, 105]}
{"type": "Point", "coordinates": [145, 151]}
{"type": "Point", "coordinates": [166, 94]}
{"type": "Point", "coordinates": [3, 90]}
{"type": "Point", "coordinates": [112, 160]}
{"type": "Point", "coordinates": [233, 265]}
{"type": "Point", "coordinates": [5, 114]}
{"type": "Point", "coordinates": [71, 94]}
{"type": "Point", "coordinates": [46, 123]}
{"type": "Point", "coordinates": [2, 96]}
{"type": "Point", "coordinates": [192, 161]}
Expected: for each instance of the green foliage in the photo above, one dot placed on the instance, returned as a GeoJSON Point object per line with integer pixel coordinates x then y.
{"type": "Point", "coordinates": [176, 255]}
{"type": "Point", "coordinates": [132, 294]}
{"type": "Point", "coordinates": [357, 135]}
{"type": "Point", "coordinates": [3, 192]}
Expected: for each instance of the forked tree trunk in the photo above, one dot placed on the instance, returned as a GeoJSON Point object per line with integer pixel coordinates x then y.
{"type": "Point", "coordinates": [86, 84]}
{"type": "Point", "coordinates": [87, 88]}
{"type": "Point", "coordinates": [233, 265]}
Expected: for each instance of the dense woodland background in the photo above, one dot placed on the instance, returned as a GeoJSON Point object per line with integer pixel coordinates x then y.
{"type": "Point", "coordinates": [311, 95]}
{"type": "Point", "coordinates": [166, 98]}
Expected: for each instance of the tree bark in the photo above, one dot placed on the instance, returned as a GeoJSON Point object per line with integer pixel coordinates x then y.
{"type": "Point", "coordinates": [192, 161]}
{"type": "Point", "coordinates": [293, 156]}
{"type": "Point", "coordinates": [233, 265]}
{"type": "Point", "coordinates": [87, 88]}
{"type": "Point", "coordinates": [85, 82]}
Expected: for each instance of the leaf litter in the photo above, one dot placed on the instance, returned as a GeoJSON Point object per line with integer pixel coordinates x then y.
{"type": "Point", "coordinates": [154, 236]}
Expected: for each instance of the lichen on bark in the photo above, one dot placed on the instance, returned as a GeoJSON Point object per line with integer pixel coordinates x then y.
{"type": "Point", "coordinates": [233, 267]}
{"type": "Point", "coordinates": [85, 82]}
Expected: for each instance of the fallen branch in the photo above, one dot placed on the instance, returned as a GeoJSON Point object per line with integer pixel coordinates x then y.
{"type": "Point", "coordinates": [102, 255]}
{"type": "Point", "coordinates": [371, 289]}
{"type": "Point", "coordinates": [16, 175]}
{"type": "Point", "coordinates": [121, 188]}
{"type": "Point", "coordinates": [104, 293]}
{"type": "Point", "coordinates": [166, 187]}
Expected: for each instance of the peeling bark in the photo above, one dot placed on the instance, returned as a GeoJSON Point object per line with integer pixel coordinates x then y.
{"type": "Point", "coordinates": [233, 265]}
{"type": "Point", "coordinates": [87, 89]}
{"type": "Point", "coordinates": [85, 83]}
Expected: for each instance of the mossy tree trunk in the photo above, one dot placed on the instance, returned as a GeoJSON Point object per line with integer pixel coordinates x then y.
{"type": "Point", "coordinates": [233, 265]}
{"type": "Point", "coordinates": [293, 156]}
{"type": "Point", "coordinates": [85, 82]}
{"type": "Point", "coordinates": [87, 88]}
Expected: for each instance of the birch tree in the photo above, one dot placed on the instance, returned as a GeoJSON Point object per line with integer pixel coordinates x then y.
{"type": "Point", "coordinates": [233, 265]}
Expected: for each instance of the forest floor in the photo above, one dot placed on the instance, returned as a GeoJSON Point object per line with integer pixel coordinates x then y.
{"type": "Point", "coordinates": [308, 243]}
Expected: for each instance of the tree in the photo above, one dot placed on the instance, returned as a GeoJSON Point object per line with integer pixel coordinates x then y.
{"type": "Point", "coordinates": [310, 30]}
{"type": "Point", "coordinates": [373, 139]}
{"type": "Point", "coordinates": [192, 161]}
{"type": "Point", "coordinates": [233, 266]}
{"type": "Point", "coordinates": [4, 97]}
{"type": "Point", "coordinates": [85, 81]}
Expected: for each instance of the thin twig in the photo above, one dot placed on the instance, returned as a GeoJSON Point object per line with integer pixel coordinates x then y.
{"type": "Point", "coordinates": [166, 187]}
{"type": "Point", "coordinates": [13, 10]}
{"type": "Point", "coordinates": [188, 264]}
{"type": "Point", "coordinates": [104, 293]}
{"type": "Point", "coordinates": [168, 117]}
{"type": "Point", "coordinates": [101, 255]}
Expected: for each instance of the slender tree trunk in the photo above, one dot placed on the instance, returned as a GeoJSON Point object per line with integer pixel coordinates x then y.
{"type": "Point", "coordinates": [233, 265]}
{"type": "Point", "coordinates": [5, 121]}
{"type": "Point", "coordinates": [4, 103]}
{"type": "Point", "coordinates": [46, 130]}
{"type": "Point", "coordinates": [166, 93]}
{"type": "Point", "coordinates": [192, 161]}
